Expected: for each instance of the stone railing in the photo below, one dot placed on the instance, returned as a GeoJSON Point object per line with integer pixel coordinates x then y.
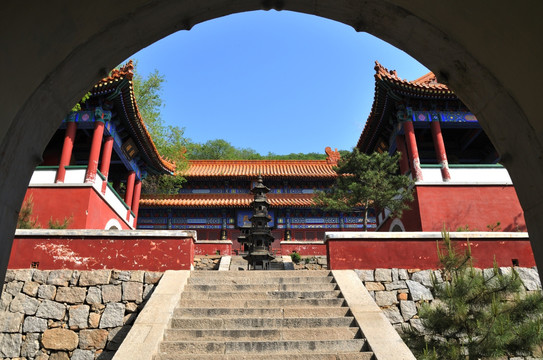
{"type": "Point", "coordinates": [66, 314]}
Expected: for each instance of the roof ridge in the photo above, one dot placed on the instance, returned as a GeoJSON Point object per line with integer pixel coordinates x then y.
{"type": "Point", "coordinates": [423, 82]}
{"type": "Point", "coordinates": [257, 161]}
{"type": "Point", "coordinates": [127, 72]}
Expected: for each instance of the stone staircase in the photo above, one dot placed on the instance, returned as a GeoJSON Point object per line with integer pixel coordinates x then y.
{"type": "Point", "coordinates": [262, 315]}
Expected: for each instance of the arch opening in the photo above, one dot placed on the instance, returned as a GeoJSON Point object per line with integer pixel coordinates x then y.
{"type": "Point", "coordinates": [468, 61]}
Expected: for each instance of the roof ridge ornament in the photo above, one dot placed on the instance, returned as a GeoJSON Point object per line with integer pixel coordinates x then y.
{"type": "Point", "coordinates": [333, 155]}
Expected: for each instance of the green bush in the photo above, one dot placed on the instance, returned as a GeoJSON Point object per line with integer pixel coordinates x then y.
{"type": "Point", "coordinates": [296, 258]}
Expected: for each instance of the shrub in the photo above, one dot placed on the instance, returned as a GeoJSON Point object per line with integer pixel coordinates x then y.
{"type": "Point", "coordinates": [296, 258]}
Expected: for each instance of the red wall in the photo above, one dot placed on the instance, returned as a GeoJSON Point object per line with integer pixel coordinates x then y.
{"type": "Point", "coordinates": [203, 248]}
{"type": "Point", "coordinates": [123, 253]}
{"type": "Point", "coordinates": [303, 249]}
{"type": "Point", "coordinates": [475, 206]}
{"type": "Point", "coordinates": [87, 209]}
{"type": "Point", "coordinates": [421, 253]}
{"type": "Point", "coordinates": [455, 206]}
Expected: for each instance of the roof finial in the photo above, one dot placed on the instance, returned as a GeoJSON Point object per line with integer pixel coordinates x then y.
{"type": "Point", "coordinates": [333, 156]}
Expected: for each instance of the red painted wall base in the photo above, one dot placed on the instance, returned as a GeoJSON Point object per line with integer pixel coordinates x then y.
{"type": "Point", "coordinates": [77, 253]}
{"type": "Point", "coordinates": [422, 253]}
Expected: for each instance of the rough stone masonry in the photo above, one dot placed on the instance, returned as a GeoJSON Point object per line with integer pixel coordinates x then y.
{"type": "Point", "coordinates": [70, 314]}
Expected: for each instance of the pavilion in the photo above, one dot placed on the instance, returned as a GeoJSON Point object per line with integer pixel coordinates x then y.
{"type": "Point", "coordinates": [459, 182]}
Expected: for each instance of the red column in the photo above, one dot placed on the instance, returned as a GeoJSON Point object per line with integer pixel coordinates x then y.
{"type": "Point", "coordinates": [106, 160]}
{"type": "Point", "coordinates": [95, 151]}
{"type": "Point", "coordinates": [67, 148]}
{"type": "Point", "coordinates": [441, 154]}
{"type": "Point", "coordinates": [404, 160]}
{"type": "Point", "coordinates": [413, 150]}
{"type": "Point", "coordinates": [136, 201]}
{"type": "Point", "coordinates": [130, 188]}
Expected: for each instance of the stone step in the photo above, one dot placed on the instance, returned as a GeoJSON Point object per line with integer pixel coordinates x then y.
{"type": "Point", "coordinates": [261, 295]}
{"type": "Point", "coordinates": [335, 333]}
{"type": "Point", "coordinates": [266, 323]}
{"type": "Point", "coordinates": [266, 303]}
{"type": "Point", "coordinates": [261, 274]}
{"type": "Point", "coordinates": [306, 356]}
{"type": "Point", "coordinates": [277, 266]}
{"type": "Point", "coordinates": [262, 347]}
{"type": "Point", "coordinates": [262, 312]}
{"type": "Point", "coordinates": [223, 280]}
{"type": "Point", "coordinates": [261, 287]}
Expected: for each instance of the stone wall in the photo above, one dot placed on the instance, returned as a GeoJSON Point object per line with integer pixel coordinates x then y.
{"type": "Point", "coordinates": [311, 263]}
{"type": "Point", "coordinates": [400, 292]}
{"type": "Point", "coordinates": [207, 262]}
{"type": "Point", "coordinates": [67, 314]}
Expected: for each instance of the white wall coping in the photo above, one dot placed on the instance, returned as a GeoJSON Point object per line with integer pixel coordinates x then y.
{"type": "Point", "coordinates": [207, 241]}
{"type": "Point", "coordinates": [425, 235]}
{"type": "Point", "coordinates": [105, 233]}
{"type": "Point", "coordinates": [300, 242]}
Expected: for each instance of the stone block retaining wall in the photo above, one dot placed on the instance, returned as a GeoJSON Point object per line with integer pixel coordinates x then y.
{"type": "Point", "coordinates": [311, 263]}
{"type": "Point", "coordinates": [400, 292]}
{"type": "Point", "coordinates": [70, 314]}
{"type": "Point", "coordinates": [207, 262]}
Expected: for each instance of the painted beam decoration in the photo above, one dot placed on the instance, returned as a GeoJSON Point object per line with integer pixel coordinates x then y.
{"type": "Point", "coordinates": [181, 219]}
{"type": "Point", "coordinates": [443, 116]}
{"type": "Point", "coordinates": [86, 119]}
{"type": "Point", "coordinates": [243, 218]}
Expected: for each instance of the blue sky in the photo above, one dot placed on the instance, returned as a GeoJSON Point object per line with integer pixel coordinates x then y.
{"type": "Point", "coordinates": [278, 82]}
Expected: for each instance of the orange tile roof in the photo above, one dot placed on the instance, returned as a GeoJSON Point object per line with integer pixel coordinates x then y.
{"type": "Point", "coordinates": [250, 169]}
{"type": "Point", "coordinates": [112, 84]}
{"type": "Point", "coordinates": [386, 81]}
{"type": "Point", "coordinates": [224, 200]}
{"type": "Point", "coordinates": [426, 82]}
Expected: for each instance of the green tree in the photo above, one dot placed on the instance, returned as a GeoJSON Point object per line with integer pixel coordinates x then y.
{"type": "Point", "coordinates": [57, 224]}
{"type": "Point", "coordinates": [296, 156]}
{"type": "Point", "coordinates": [367, 181]}
{"type": "Point", "coordinates": [220, 149]}
{"type": "Point", "coordinates": [476, 315]}
{"type": "Point", "coordinates": [25, 219]}
{"type": "Point", "coordinates": [169, 139]}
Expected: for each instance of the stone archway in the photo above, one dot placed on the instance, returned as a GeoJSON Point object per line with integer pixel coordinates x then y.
{"type": "Point", "coordinates": [490, 56]}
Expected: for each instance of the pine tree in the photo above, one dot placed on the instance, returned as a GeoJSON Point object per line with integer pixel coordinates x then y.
{"type": "Point", "coordinates": [366, 181]}
{"type": "Point", "coordinates": [476, 315]}
{"type": "Point", "coordinates": [25, 219]}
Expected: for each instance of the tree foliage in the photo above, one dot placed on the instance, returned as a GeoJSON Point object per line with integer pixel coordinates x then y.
{"type": "Point", "coordinates": [367, 181]}
{"type": "Point", "coordinates": [169, 139]}
{"type": "Point", "coordinates": [477, 315]}
{"type": "Point", "coordinates": [58, 224]}
{"type": "Point", "coordinates": [220, 149]}
{"type": "Point", "coordinates": [25, 219]}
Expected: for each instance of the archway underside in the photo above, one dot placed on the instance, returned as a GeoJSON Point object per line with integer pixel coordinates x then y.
{"type": "Point", "coordinates": [58, 51]}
